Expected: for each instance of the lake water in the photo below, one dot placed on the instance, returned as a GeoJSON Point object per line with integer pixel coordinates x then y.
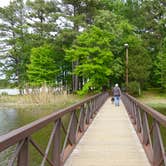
{"type": "Point", "coordinates": [11, 119]}
{"type": "Point", "coordinates": [10, 91]}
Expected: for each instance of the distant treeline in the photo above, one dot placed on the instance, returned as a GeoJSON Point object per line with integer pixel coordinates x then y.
{"type": "Point", "coordinates": [80, 44]}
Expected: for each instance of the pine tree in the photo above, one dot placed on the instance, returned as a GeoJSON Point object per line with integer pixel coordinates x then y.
{"type": "Point", "coordinates": [160, 66]}
{"type": "Point", "coordinates": [14, 32]}
{"type": "Point", "coordinates": [42, 16]}
{"type": "Point", "coordinates": [81, 14]}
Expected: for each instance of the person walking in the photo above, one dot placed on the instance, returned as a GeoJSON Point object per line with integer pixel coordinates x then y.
{"type": "Point", "coordinates": [116, 94]}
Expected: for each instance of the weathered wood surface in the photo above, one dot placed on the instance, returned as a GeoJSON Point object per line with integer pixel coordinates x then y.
{"type": "Point", "coordinates": [109, 141]}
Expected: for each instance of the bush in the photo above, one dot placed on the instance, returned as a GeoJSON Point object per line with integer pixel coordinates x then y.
{"type": "Point", "coordinates": [4, 94]}
{"type": "Point", "coordinates": [134, 88]}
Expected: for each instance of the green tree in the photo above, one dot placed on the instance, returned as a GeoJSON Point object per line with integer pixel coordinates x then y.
{"type": "Point", "coordinates": [140, 65]}
{"type": "Point", "coordinates": [112, 5]}
{"type": "Point", "coordinates": [160, 66]}
{"type": "Point", "coordinates": [42, 67]}
{"type": "Point", "coordinates": [42, 16]}
{"type": "Point", "coordinates": [14, 33]}
{"type": "Point", "coordinates": [64, 41]}
{"type": "Point", "coordinates": [92, 49]}
{"type": "Point", "coordinates": [79, 14]}
{"type": "Point", "coordinates": [124, 32]}
{"type": "Point", "coordinates": [149, 18]}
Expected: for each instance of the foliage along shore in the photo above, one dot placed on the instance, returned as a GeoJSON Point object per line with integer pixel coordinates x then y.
{"type": "Point", "coordinates": [80, 44]}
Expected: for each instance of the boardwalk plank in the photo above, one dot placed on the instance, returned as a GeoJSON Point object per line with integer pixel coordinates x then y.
{"type": "Point", "coordinates": [109, 141]}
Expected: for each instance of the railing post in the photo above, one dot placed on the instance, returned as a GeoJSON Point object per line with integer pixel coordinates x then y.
{"type": "Point", "coordinates": [138, 120]}
{"type": "Point", "coordinates": [130, 107]}
{"type": "Point", "coordinates": [56, 150]}
{"type": "Point", "coordinates": [158, 147]}
{"type": "Point", "coordinates": [154, 147]}
{"type": "Point", "coordinates": [146, 131]}
{"type": "Point", "coordinates": [73, 128]}
{"type": "Point", "coordinates": [23, 156]}
{"type": "Point", "coordinates": [134, 113]}
{"type": "Point", "coordinates": [81, 119]}
{"type": "Point", "coordinates": [88, 113]}
{"type": "Point", "coordinates": [92, 109]}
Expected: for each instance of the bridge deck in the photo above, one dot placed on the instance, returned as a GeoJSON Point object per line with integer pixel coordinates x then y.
{"type": "Point", "coordinates": [109, 141]}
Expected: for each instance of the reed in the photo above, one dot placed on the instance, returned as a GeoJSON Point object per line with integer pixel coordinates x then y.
{"type": "Point", "coordinates": [43, 98]}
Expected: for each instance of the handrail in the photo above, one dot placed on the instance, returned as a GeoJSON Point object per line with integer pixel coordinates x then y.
{"type": "Point", "coordinates": [155, 114]}
{"type": "Point", "coordinates": [147, 122]}
{"type": "Point", "coordinates": [81, 115]}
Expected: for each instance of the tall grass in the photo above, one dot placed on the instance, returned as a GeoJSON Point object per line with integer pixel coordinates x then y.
{"type": "Point", "coordinates": [31, 107]}
{"type": "Point", "coordinates": [43, 98]}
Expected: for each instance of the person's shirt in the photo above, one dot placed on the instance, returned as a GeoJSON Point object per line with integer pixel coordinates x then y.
{"type": "Point", "coordinates": [116, 91]}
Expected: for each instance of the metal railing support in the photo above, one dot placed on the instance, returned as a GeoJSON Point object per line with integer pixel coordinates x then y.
{"type": "Point", "coordinates": [158, 147]}
{"type": "Point", "coordinates": [63, 138]}
{"type": "Point", "coordinates": [56, 149]}
{"type": "Point", "coordinates": [23, 156]}
{"type": "Point", "coordinates": [73, 128]}
{"type": "Point", "coordinates": [147, 123]}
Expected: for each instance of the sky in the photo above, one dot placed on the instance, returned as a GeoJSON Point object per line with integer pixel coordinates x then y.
{"type": "Point", "coordinates": [4, 2]}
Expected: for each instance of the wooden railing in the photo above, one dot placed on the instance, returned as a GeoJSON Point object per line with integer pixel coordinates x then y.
{"type": "Point", "coordinates": [149, 125]}
{"type": "Point", "coordinates": [79, 118]}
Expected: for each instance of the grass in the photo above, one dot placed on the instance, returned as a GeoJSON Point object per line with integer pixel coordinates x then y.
{"type": "Point", "coordinates": [159, 106]}
{"type": "Point", "coordinates": [157, 100]}
{"type": "Point", "coordinates": [155, 92]}
{"type": "Point", "coordinates": [39, 100]}
{"type": "Point", "coordinates": [33, 106]}
{"type": "Point", "coordinates": [153, 97]}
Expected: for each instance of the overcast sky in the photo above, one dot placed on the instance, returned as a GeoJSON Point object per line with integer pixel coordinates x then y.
{"type": "Point", "coordinates": [4, 2]}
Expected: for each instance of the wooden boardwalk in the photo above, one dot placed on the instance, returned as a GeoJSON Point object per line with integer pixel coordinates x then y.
{"type": "Point", "coordinates": [109, 141]}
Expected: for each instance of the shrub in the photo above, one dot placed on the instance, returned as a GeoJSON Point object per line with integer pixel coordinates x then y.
{"type": "Point", "coordinates": [4, 94]}
{"type": "Point", "coordinates": [134, 88]}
